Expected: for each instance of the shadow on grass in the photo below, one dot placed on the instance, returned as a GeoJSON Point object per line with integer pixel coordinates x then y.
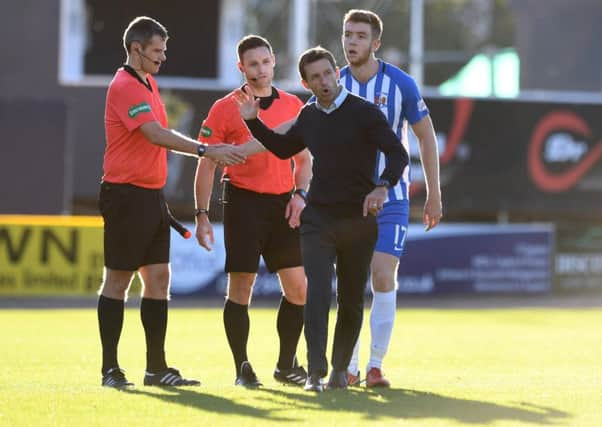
{"type": "Point", "coordinates": [193, 398]}
{"type": "Point", "coordinates": [369, 405]}
{"type": "Point", "coordinates": [389, 404]}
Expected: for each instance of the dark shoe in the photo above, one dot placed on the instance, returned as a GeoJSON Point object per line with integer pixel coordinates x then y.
{"type": "Point", "coordinates": [115, 378]}
{"type": "Point", "coordinates": [353, 380]}
{"type": "Point", "coordinates": [375, 378]}
{"type": "Point", "coordinates": [247, 377]}
{"type": "Point", "coordinates": [314, 383]}
{"type": "Point", "coordinates": [295, 375]}
{"type": "Point", "coordinates": [168, 378]}
{"type": "Point", "coordinates": [338, 379]}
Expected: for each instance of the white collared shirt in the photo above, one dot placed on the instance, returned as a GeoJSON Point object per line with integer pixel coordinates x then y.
{"type": "Point", "coordinates": [338, 101]}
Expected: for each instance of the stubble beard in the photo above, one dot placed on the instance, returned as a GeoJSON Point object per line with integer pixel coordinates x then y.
{"type": "Point", "coordinates": [360, 60]}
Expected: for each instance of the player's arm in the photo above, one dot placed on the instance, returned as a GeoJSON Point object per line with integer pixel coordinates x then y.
{"type": "Point", "coordinates": [283, 146]}
{"type": "Point", "coordinates": [303, 161]}
{"type": "Point", "coordinates": [254, 146]}
{"type": "Point", "coordinates": [429, 156]}
{"type": "Point", "coordinates": [396, 157]}
{"type": "Point", "coordinates": [203, 187]}
{"type": "Point", "coordinates": [284, 127]}
{"type": "Point", "coordinates": [381, 135]}
{"type": "Point", "coordinates": [251, 147]}
{"type": "Point", "coordinates": [173, 140]}
{"type": "Point", "coordinates": [302, 178]}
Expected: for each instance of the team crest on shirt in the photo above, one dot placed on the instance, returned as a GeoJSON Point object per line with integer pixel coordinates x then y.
{"type": "Point", "coordinates": [380, 99]}
{"type": "Point", "coordinates": [206, 131]}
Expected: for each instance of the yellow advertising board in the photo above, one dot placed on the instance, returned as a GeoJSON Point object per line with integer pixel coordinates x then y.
{"type": "Point", "coordinates": [50, 255]}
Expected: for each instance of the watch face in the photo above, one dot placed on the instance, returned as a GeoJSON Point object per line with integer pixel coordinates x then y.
{"type": "Point", "coordinates": [301, 193]}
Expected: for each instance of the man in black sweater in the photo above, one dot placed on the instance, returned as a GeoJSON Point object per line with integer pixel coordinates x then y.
{"type": "Point", "coordinates": [345, 135]}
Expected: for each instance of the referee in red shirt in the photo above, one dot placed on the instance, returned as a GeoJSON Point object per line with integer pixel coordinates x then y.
{"type": "Point", "coordinates": [265, 198]}
{"type": "Point", "coordinates": [136, 222]}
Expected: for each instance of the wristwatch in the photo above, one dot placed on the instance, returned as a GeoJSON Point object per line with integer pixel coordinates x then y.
{"type": "Point", "coordinates": [302, 193]}
{"type": "Point", "coordinates": [383, 183]}
{"type": "Point", "coordinates": [199, 211]}
{"type": "Point", "coordinates": [201, 150]}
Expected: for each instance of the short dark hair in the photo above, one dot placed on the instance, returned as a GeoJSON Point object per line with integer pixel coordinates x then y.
{"type": "Point", "coordinates": [368, 17]}
{"type": "Point", "coordinates": [312, 55]}
{"type": "Point", "coordinates": [252, 41]}
{"type": "Point", "coordinates": [142, 29]}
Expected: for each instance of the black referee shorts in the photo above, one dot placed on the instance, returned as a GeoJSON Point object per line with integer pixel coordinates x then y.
{"type": "Point", "coordinates": [254, 225]}
{"type": "Point", "coordinates": [136, 226]}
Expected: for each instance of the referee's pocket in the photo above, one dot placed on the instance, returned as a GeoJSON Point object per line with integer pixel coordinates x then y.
{"type": "Point", "coordinates": [110, 199]}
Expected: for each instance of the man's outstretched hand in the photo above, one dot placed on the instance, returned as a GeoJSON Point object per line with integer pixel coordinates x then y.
{"type": "Point", "coordinates": [247, 104]}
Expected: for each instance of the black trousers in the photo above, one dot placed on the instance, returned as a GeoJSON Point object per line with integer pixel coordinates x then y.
{"type": "Point", "coordinates": [348, 242]}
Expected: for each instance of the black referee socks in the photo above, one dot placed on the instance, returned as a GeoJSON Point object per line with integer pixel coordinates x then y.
{"type": "Point", "coordinates": [153, 313]}
{"type": "Point", "coordinates": [289, 325]}
{"type": "Point", "coordinates": [110, 323]}
{"type": "Point", "coordinates": [236, 324]}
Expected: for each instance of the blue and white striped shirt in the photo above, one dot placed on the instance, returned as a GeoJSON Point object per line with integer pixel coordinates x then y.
{"type": "Point", "coordinates": [397, 95]}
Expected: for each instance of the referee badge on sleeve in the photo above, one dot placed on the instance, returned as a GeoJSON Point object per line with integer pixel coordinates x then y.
{"type": "Point", "coordinates": [206, 131]}
{"type": "Point", "coordinates": [137, 109]}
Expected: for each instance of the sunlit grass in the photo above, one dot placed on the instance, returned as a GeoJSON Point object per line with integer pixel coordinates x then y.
{"type": "Point", "coordinates": [510, 367]}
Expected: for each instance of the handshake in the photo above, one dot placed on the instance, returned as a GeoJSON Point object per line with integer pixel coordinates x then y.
{"type": "Point", "coordinates": [225, 154]}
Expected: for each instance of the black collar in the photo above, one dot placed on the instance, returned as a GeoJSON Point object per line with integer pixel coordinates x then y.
{"type": "Point", "coordinates": [128, 69]}
{"type": "Point", "coordinates": [266, 101]}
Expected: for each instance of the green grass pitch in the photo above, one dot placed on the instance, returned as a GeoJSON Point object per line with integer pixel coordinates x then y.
{"type": "Point", "coordinates": [449, 367]}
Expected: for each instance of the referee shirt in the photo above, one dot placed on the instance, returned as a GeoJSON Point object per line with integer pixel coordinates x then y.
{"type": "Point", "coordinates": [264, 172]}
{"type": "Point", "coordinates": [129, 157]}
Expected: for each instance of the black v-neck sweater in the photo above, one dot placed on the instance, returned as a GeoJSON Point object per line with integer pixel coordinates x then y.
{"type": "Point", "coordinates": [344, 145]}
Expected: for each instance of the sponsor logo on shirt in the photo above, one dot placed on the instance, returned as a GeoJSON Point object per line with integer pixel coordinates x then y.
{"type": "Point", "coordinates": [421, 105]}
{"type": "Point", "coordinates": [206, 132]}
{"type": "Point", "coordinates": [137, 109]}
